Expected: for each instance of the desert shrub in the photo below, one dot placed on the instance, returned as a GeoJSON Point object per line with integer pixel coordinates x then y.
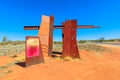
{"type": "Point", "coordinates": [68, 58]}
{"type": "Point", "coordinates": [18, 42]}
{"type": "Point", "coordinates": [12, 55]}
{"type": "Point", "coordinates": [82, 41]}
{"type": "Point", "coordinates": [118, 39]}
{"type": "Point", "coordinates": [11, 50]}
{"type": "Point", "coordinates": [12, 42]}
{"type": "Point", "coordinates": [92, 47]}
{"type": "Point", "coordinates": [57, 42]}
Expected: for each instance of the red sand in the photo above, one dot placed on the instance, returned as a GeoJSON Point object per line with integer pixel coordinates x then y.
{"type": "Point", "coordinates": [4, 60]}
{"type": "Point", "coordinates": [92, 66]}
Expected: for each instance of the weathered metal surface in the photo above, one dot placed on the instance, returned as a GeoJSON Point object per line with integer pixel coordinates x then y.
{"type": "Point", "coordinates": [33, 51]}
{"type": "Point", "coordinates": [70, 48]}
{"type": "Point", "coordinates": [37, 27]}
{"type": "Point", "coordinates": [60, 27]}
{"type": "Point", "coordinates": [46, 35]}
{"type": "Point", "coordinates": [68, 33]}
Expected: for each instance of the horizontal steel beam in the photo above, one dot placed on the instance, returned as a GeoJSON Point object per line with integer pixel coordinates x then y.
{"type": "Point", "coordinates": [31, 27]}
{"type": "Point", "coordinates": [87, 26]}
{"type": "Point", "coordinates": [60, 27]}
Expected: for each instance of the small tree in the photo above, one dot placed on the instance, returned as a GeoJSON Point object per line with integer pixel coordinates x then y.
{"type": "Point", "coordinates": [4, 39]}
{"type": "Point", "coordinates": [118, 39]}
{"type": "Point", "coordinates": [101, 39]}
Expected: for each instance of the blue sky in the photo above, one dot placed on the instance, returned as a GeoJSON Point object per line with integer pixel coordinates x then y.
{"type": "Point", "coordinates": [14, 14]}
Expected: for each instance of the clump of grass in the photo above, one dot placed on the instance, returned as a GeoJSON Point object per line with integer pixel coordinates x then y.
{"type": "Point", "coordinates": [7, 65]}
{"type": "Point", "coordinates": [17, 61]}
{"type": "Point", "coordinates": [68, 58]}
{"type": "Point", "coordinates": [3, 67]}
{"type": "Point", "coordinates": [76, 59]}
{"type": "Point", "coordinates": [58, 58]}
{"type": "Point", "coordinates": [10, 64]}
{"type": "Point", "coordinates": [92, 47]}
{"type": "Point", "coordinates": [5, 72]}
{"type": "Point", "coordinates": [13, 55]}
{"type": "Point", "coordinates": [8, 71]}
{"type": "Point", "coordinates": [20, 59]}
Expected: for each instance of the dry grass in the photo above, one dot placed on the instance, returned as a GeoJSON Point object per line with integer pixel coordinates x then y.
{"type": "Point", "coordinates": [68, 58]}
{"type": "Point", "coordinates": [11, 50]}
{"type": "Point", "coordinates": [92, 47]}
{"type": "Point", "coordinates": [71, 59]}
{"type": "Point", "coordinates": [5, 69]}
{"type": "Point", "coordinates": [57, 47]}
{"type": "Point", "coordinates": [86, 46]}
{"type": "Point", "coordinates": [5, 72]}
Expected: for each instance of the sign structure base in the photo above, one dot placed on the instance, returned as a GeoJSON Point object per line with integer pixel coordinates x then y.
{"type": "Point", "coordinates": [33, 51]}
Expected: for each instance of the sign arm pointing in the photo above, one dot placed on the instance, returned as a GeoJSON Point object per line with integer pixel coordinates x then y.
{"type": "Point", "coordinates": [60, 27]}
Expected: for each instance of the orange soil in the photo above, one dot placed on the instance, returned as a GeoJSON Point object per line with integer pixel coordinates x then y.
{"type": "Point", "coordinates": [4, 60]}
{"type": "Point", "coordinates": [92, 66]}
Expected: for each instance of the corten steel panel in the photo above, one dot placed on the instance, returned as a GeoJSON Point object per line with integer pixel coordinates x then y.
{"type": "Point", "coordinates": [33, 51]}
{"type": "Point", "coordinates": [63, 41]}
{"type": "Point", "coordinates": [46, 35]}
{"type": "Point", "coordinates": [70, 48]}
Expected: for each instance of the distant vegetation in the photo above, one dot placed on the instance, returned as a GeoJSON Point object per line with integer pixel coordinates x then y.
{"type": "Point", "coordinates": [6, 41]}
{"type": "Point", "coordinates": [102, 39]}
{"type": "Point", "coordinates": [11, 48]}
{"type": "Point", "coordinates": [12, 42]}
{"type": "Point", "coordinates": [57, 42]}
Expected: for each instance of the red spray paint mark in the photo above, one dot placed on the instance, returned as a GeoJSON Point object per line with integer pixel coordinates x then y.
{"type": "Point", "coordinates": [32, 51]}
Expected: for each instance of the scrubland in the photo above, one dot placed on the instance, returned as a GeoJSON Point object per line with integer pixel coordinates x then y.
{"type": "Point", "coordinates": [97, 62]}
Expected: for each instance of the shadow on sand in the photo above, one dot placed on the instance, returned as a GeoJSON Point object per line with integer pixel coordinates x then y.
{"type": "Point", "coordinates": [22, 64]}
{"type": "Point", "coordinates": [56, 54]}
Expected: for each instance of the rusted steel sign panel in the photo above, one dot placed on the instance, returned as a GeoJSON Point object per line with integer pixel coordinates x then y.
{"type": "Point", "coordinates": [70, 48]}
{"type": "Point", "coordinates": [33, 51]}
{"type": "Point", "coordinates": [45, 33]}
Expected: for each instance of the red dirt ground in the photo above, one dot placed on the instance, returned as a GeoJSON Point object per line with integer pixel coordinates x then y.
{"type": "Point", "coordinates": [91, 66]}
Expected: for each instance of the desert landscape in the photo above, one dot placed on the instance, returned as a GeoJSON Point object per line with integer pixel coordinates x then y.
{"type": "Point", "coordinates": [97, 62]}
{"type": "Point", "coordinates": [59, 40]}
